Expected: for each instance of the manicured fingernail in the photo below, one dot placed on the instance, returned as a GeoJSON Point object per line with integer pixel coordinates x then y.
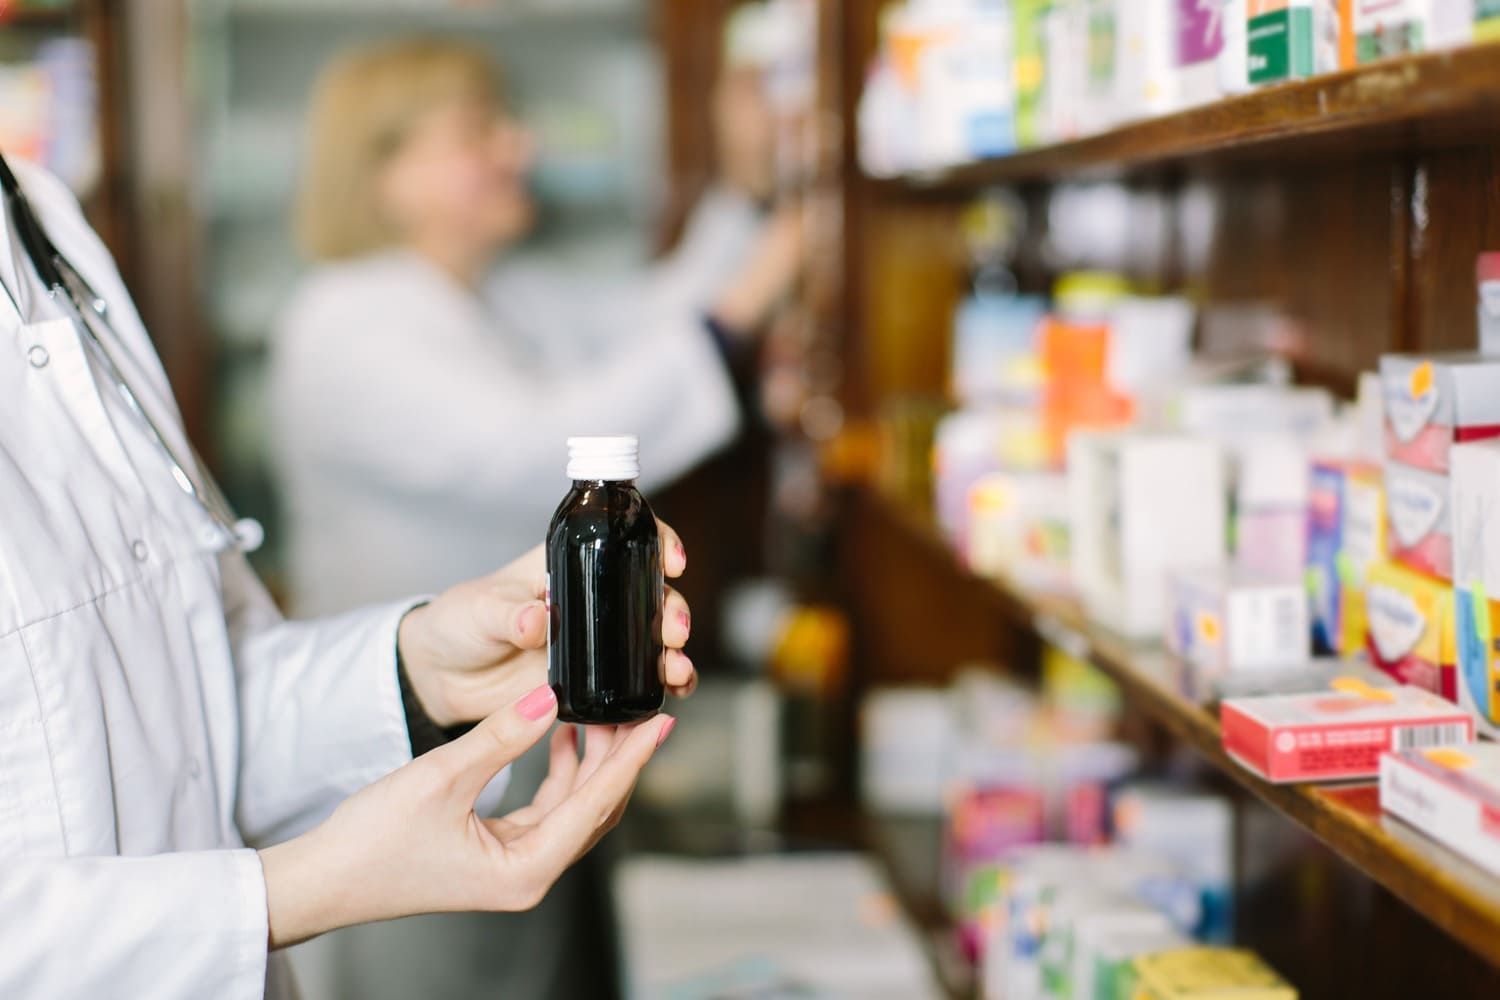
{"type": "Point", "coordinates": [666, 731]}
{"type": "Point", "coordinates": [681, 554]}
{"type": "Point", "coordinates": [684, 620]}
{"type": "Point", "coordinates": [537, 704]}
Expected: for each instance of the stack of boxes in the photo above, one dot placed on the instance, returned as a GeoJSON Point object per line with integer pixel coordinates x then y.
{"type": "Point", "coordinates": [1433, 404]}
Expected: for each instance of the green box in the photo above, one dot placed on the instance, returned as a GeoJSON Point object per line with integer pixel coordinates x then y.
{"type": "Point", "coordinates": [1281, 45]}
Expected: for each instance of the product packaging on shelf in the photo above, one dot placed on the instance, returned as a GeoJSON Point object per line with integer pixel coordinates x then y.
{"type": "Point", "coordinates": [1017, 528]}
{"type": "Point", "coordinates": [1486, 20]}
{"type": "Point", "coordinates": [1336, 735]}
{"type": "Point", "coordinates": [1421, 524]}
{"type": "Point", "coordinates": [1048, 889]}
{"type": "Point", "coordinates": [1435, 401]}
{"type": "Point", "coordinates": [1291, 39]}
{"type": "Point", "coordinates": [1392, 27]}
{"type": "Point", "coordinates": [969, 445]}
{"type": "Point", "coordinates": [1146, 63]}
{"type": "Point", "coordinates": [1110, 951]}
{"type": "Point", "coordinates": [1476, 531]}
{"type": "Point", "coordinates": [1221, 620]}
{"type": "Point", "coordinates": [1451, 794]}
{"type": "Point", "coordinates": [1270, 509]}
{"type": "Point", "coordinates": [994, 348]}
{"type": "Point", "coordinates": [1207, 974]}
{"type": "Point", "coordinates": [1409, 619]}
{"type": "Point", "coordinates": [1200, 40]}
{"type": "Point", "coordinates": [1141, 505]}
{"type": "Point", "coordinates": [1345, 537]}
{"type": "Point", "coordinates": [1194, 831]}
{"type": "Point", "coordinates": [1487, 281]}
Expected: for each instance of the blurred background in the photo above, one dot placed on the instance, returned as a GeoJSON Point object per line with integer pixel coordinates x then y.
{"type": "Point", "coordinates": [933, 266]}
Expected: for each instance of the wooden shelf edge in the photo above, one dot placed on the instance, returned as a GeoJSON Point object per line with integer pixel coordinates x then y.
{"type": "Point", "coordinates": [1455, 87]}
{"type": "Point", "coordinates": [1455, 895]}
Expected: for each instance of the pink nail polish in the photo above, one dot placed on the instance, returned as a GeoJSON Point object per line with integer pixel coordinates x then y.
{"type": "Point", "coordinates": [666, 731]}
{"type": "Point", "coordinates": [681, 554]}
{"type": "Point", "coordinates": [684, 620]}
{"type": "Point", "coordinates": [537, 704]}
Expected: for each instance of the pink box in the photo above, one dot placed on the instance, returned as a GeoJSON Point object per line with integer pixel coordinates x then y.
{"type": "Point", "coordinates": [1419, 519]}
{"type": "Point", "coordinates": [1433, 401]}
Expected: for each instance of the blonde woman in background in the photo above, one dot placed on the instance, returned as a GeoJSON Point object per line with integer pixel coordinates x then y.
{"type": "Point", "coordinates": [423, 389]}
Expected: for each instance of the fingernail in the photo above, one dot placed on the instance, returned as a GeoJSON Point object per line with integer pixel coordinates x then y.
{"type": "Point", "coordinates": [666, 731]}
{"type": "Point", "coordinates": [537, 704]}
{"type": "Point", "coordinates": [685, 621]}
{"type": "Point", "coordinates": [681, 554]}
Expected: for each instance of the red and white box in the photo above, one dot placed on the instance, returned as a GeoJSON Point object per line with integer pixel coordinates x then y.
{"type": "Point", "coordinates": [1452, 794]}
{"type": "Point", "coordinates": [1420, 519]}
{"type": "Point", "coordinates": [1337, 735]}
{"type": "Point", "coordinates": [1435, 401]}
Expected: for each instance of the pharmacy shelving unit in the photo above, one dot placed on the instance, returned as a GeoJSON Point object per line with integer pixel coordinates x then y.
{"type": "Point", "coordinates": [1355, 204]}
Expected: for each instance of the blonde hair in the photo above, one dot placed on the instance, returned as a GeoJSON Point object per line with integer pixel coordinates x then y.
{"type": "Point", "coordinates": [363, 109]}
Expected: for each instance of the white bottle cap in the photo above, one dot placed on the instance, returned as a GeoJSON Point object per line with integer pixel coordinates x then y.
{"type": "Point", "coordinates": [613, 459]}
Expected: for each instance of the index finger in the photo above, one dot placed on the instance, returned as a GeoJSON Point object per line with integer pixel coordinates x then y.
{"type": "Point", "coordinates": [673, 555]}
{"type": "Point", "coordinates": [578, 820]}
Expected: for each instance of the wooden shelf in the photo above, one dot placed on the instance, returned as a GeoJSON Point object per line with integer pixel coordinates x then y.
{"type": "Point", "coordinates": [1460, 898]}
{"type": "Point", "coordinates": [1431, 100]}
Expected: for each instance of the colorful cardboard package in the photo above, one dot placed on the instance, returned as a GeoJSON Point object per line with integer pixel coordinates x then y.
{"type": "Point", "coordinates": [1435, 401]}
{"type": "Point", "coordinates": [1224, 620]}
{"type": "Point", "coordinates": [1411, 628]}
{"type": "Point", "coordinates": [1475, 500]}
{"type": "Point", "coordinates": [1345, 537]}
{"type": "Point", "coordinates": [1336, 735]}
{"type": "Point", "coordinates": [1421, 522]}
{"type": "Point", "coordinates": [1452, 794]}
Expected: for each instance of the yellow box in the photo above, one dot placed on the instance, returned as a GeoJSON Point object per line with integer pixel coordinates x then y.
{"type": "Point", "coordinates": [1410, 625]}
{"type": "Point", "coordinates": [1203, 973]}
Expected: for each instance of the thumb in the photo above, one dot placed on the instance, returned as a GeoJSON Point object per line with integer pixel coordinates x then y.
{"type": "Point", "coordinates": [477, 756]}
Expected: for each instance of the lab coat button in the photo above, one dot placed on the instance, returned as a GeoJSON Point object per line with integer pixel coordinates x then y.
{"type": "Point", "coordinates": [195, 770]}
{"type": "Point", "coordinates": [38, 356]}
{"type": "Point", "coordinates": [138, 549]}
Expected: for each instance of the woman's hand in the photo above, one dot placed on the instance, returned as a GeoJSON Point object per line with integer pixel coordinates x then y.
{"type": "Point", "coordinates": [411, 843]}
{"type": "Point", "coordinates": [482, 644]}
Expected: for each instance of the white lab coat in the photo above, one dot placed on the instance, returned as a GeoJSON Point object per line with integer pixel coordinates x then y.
{"type": "Point", "coordinates": [420, 428]}
{"type": "Point", "coordinates": [156, 712]}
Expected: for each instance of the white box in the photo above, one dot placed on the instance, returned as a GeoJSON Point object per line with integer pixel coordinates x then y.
{"type": "Point", "coordinates": [1141, 505]}
{"type": "Point", "coordinates": [1224, 620]}
{"type": "Point", "coordinates": [1452, 794]}
{"type": "Point", "coordinates": [1474, 504]}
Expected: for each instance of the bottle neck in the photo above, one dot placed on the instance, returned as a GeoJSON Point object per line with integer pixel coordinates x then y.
{"type": "Point", "coordinates": [585, 484]}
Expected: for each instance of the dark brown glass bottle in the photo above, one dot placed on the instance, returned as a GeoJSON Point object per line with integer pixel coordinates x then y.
{"type": "Point", "coordinates": [604, 586]}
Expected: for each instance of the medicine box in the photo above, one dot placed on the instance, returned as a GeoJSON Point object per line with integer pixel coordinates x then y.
{"type": "Point", "coordinates": [1435, 401]}
{"type": "Point", "coordinates": [1345, 537]}
{"type": "Point", "coordinates": [1228, 620]}
{"type": "Point", "coordinates": [1451, 794]}
{"type": "Point", "coordinates": [1475, 481]}
{"type": "Point", "coordinates": [1204, 973]}
{"type": "Point", "coordinates": [1291, 39]}
{"type": "Point", "coordinates": [1141, 505]}
{"type": "Point", "coordinates": [1410, 621]}
{"type": "Point", "coordinates": [1421, 525]}
{"type": "Point", "coordinates": [1392, 27]}
{"type": "Point", "coordinates": [1200, 39]}
{"type": "Point", "coordinates": [1336, 735]}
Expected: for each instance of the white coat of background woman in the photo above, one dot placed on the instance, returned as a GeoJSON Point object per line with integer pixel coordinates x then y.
{"type": "Point", "coordinates": [415, 185]}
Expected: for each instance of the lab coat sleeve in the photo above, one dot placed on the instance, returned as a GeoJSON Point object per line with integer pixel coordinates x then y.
{"type": "Point", "coordinates": [169, 926]}
{"type": "Point", "coordinates": [321, 714]}
{"type": "Point", "coordinates": [593, 313]}
{"type": "Point", "coordinates": [425, 417]}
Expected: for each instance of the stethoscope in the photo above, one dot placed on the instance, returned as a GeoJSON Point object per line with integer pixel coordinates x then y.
{"type": "Point", "coordinates": [71, 292]}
